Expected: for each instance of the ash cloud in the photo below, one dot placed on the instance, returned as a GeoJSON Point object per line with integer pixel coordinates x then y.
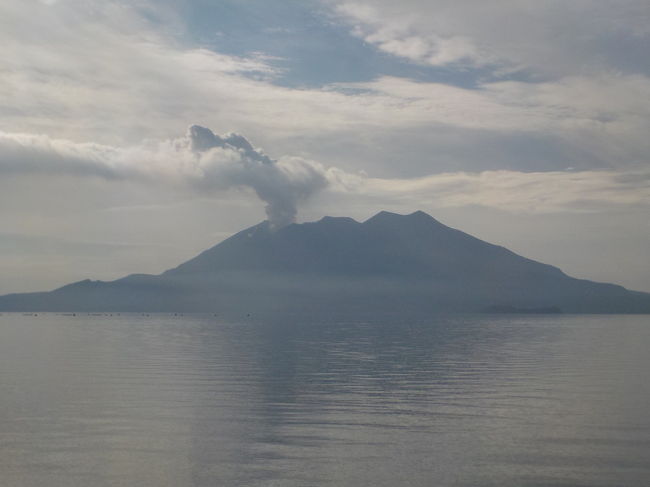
{"type": "Point", "coordinates": [202, 161]}
{"type": "Point", "coordinates": [281, 184]}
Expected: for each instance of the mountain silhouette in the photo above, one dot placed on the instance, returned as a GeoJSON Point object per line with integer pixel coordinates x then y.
{"type": "Point", "coordinates": [388, 264]}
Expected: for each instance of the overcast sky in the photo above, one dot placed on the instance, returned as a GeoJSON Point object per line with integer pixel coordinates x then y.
{"type": "Point", "coordinates": [525, 123]}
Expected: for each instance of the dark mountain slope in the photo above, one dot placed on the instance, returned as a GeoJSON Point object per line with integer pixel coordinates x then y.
{"type": "Point", "coordinates": [389, 263]}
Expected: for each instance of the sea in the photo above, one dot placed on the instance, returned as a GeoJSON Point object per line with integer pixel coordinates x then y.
{"type": "Point", "coordinates": [199, 400]}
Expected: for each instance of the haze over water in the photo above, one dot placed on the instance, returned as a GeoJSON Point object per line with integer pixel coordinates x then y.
{"type": "Point", "coordinates": [449, 401]}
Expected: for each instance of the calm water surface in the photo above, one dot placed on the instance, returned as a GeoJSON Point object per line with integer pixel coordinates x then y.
{"type": "Point", "coordinates": [199, 401]}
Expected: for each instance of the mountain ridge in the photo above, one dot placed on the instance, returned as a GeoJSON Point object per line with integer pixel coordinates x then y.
{"type": "Point", "coordinates": [386, 263]}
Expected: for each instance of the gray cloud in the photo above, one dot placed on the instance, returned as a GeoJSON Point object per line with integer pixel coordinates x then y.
{"type": "Point", "coordinates": [26, 153]}
{"type": "Point", "coordinates": [201, 161]}
{"type": "Point", "coordinates": [207, 164]}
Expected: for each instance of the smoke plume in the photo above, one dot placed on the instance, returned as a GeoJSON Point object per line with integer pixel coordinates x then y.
{"type": "Point", "coordinates": [201, 161]}
{"type": "Point", "coordinates": [282, 184]}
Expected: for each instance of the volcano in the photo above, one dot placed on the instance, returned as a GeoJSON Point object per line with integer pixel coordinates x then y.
{"type": "Point", "coordinates": [389, 263]}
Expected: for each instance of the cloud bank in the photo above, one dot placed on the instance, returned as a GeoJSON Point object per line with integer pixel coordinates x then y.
{"type": "Point", "coordinates": [206, 163]}
{"type": "Point", "coordinates": [118, 78]}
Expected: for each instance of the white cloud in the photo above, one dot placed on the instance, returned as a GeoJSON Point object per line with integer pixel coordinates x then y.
{"type": "Point", "coordinates": [553, 37]}
{"type": "Point", "coordinates": [399, 36]}
{"type": "Point", "coordinates": [116, 80]}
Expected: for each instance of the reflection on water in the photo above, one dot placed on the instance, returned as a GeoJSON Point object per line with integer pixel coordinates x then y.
{"type": "Point", "coordinates": [195, 401]}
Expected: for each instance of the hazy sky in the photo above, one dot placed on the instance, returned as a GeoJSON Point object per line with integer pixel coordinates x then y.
{"type": "Point", "coordinates": [525, 123]}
